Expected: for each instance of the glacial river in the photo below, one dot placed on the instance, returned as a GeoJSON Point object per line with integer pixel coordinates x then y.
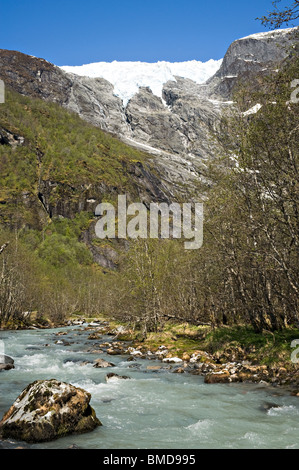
{"type": "Point", "coordinates": [153, 410]}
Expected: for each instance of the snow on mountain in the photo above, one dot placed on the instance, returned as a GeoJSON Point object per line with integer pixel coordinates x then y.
{"type": "Point", "coordinates": [253, 110]}
{"type": "Point", "coordinates": [270, 34]}
{"type": "Point", "coordinates": [127, 77]}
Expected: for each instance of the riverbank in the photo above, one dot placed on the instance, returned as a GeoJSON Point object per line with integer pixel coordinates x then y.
{"type": "Point", "coordinates": [221, 355]}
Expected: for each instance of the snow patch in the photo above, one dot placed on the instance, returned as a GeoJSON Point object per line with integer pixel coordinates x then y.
{"type": "Point", "coordinates": [253, 110]}
{"type": "Point", "coordinates": [270, 34]}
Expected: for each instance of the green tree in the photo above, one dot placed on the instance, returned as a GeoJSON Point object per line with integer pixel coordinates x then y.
{"type": "Point", "coordinates": [258, 226]}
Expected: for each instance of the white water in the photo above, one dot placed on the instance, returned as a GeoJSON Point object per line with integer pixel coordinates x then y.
{"type": "Point", "coordinates": [154, 410]}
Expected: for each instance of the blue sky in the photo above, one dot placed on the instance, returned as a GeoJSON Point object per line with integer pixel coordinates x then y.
{"type": "Point", "coordinates": [71, 32]}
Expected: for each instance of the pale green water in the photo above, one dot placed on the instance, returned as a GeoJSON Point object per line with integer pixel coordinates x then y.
{"type": "Point", "coordinates": [154, 410]}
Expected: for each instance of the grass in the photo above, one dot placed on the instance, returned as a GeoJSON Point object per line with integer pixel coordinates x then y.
{"type": "Point", "coordinates": [263, 348]}
{"type": "Point", "coordinates": [266, 348]}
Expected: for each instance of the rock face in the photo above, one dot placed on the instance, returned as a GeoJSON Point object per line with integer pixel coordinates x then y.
{"type": "Point", "coordinates": [12, 139]}
{"type": "Point", "coordinates": [246, 57]}
{"type": "Point", "coordinates": [47, 410]}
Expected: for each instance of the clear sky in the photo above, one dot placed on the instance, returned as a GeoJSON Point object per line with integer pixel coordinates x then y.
{"type": "Point", "coordinates": [72, 32]}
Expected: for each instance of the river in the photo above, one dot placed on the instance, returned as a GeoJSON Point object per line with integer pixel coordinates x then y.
{"type": "Point", "coordinates": [153, 410]}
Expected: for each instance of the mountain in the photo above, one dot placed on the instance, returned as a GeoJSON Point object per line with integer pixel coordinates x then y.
{"type": "Point", "coordinates": [250, 56]}
{"type": "Point", "coordinates": [174, 112]}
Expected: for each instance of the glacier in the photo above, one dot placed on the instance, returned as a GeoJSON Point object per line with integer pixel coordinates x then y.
{"type": "Point", "coordinates": [128, 77]}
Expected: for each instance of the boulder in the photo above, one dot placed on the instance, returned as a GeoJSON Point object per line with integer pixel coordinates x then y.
{"type": "Point", "coordinates": [4, 359]}
{"type": "Point", "coordinates": [6, 362]}
{"type": "Point", "coordinates": [154, 367]}
{"type": "Point", "coordinates": [186, 357]}
{"type": "Point", "coordinates": [6, 367]}
{"type": "Point", "coordinates": [101, 363]}
{"type": "Point", "coordinates": [173, 360]}
{"type": "Point", "coordinates": [114, 377]}
{"type": "Point", "coordinates": [95, 335]}
{"type": "Point", "coordinates": [136, 353]}
{"type": "Point", "coordinates": [217, 377]}
{"type": "Point", "coordinates": [114, 352]}
{"type": "Point", "coordinates": [47, 410]}
{"type": "Point", "coordinates": [84, 363]}
{"type": "Point", "coordinates": [179, 370]}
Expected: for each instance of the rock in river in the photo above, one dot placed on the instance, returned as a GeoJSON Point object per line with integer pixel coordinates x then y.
{"type": "Point", "coordinates": [114, 377]}
{"type": "Point", "coordinates": [101, 363]}
{"type": "Point", "coordinates": [6, 362]}
{"type": "Point", "coordinates": [47, 410]}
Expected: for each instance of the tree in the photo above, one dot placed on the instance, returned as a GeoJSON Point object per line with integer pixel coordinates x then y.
{"type": "Point", "coordinates": [281, 16]}
{"type": "Point", "coordinates": [257, 207]}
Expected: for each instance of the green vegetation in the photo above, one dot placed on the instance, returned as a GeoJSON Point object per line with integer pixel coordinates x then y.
{"type": "Point", "coordinates": [246, 273]}
{"type": "Point", "coordinates": [70, 150]}
{"type": "Point", "coordinates": [62, 162]}
{"type": "Point", "coordinates": [261, 348]}
{"type": "Point", "coordinates": [265, 348]}
{"type": "Point", "coordinates": [49, 162]}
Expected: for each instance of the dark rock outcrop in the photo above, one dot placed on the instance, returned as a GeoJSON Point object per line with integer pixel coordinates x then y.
{"type": "Point", "coordinates": [34, 77]}
{"type": "Point", "coordinates": [10, 138]}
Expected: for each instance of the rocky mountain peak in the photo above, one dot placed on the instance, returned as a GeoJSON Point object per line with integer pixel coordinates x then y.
{"type": "Point", "coordinates": [249, 56]}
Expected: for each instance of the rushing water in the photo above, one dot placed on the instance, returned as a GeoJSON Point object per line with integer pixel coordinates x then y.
{"type": "Point", "coordinates": [154, 410]}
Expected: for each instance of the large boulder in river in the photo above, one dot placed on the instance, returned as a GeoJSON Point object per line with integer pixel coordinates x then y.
{"type": "Point", "coordinates": [6, 362]}
{"type": "Point", "coordinates": [47, 410]}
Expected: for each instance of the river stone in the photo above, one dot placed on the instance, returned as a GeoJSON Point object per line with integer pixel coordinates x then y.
{"type": "Point", "coordinates": [217, 377]}
{"type": "Point", "coordinates": [6, 362]}
{"type": "Point", "coordinates": [101, 363]}
{"type": "Point", "coordinates": [4, 359]}
{"type": "Point", "coordinates": [114, 377]}
{"type": "Point", "coordinates": [6, 367]}
{"type": "Point", "coordinates": [47, 410]}
{"type": "Point", "coordinates": [173, 360]}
